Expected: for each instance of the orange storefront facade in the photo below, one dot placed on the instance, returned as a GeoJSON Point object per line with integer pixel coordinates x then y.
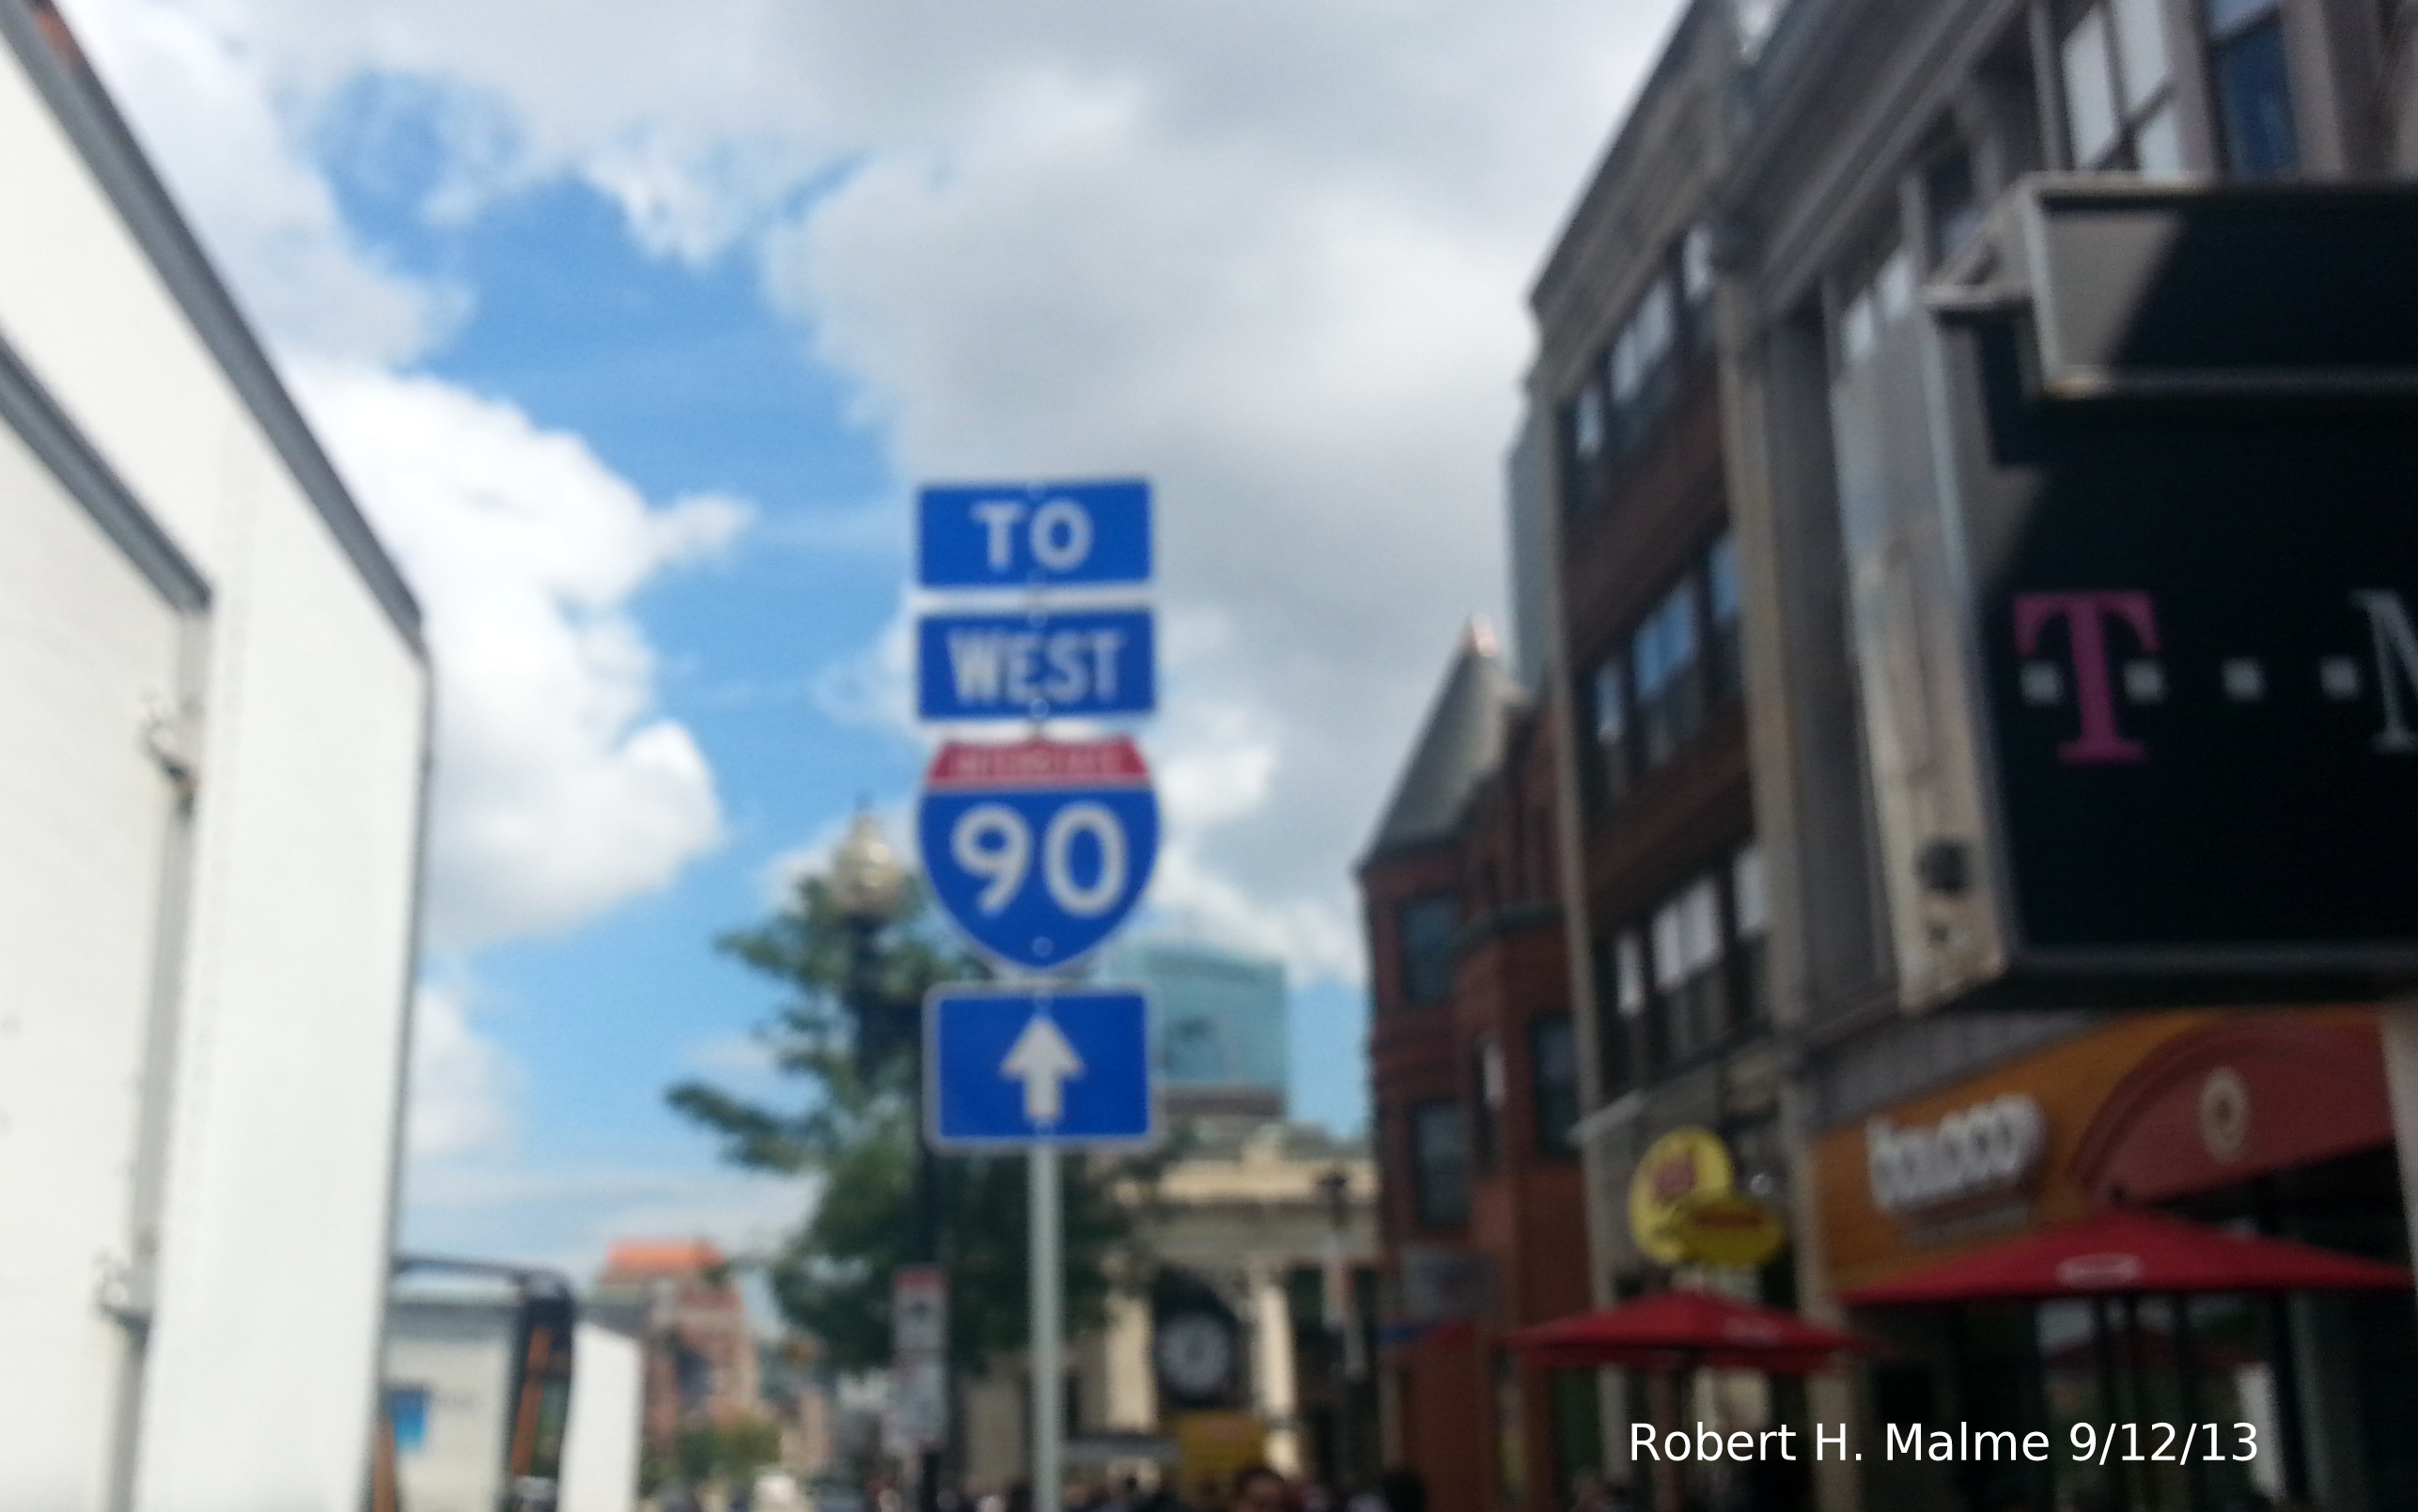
{"type": "Point", "coordinates": [2148, 1110]}
{"type": "Point", "coordinates": [2269, 1122]}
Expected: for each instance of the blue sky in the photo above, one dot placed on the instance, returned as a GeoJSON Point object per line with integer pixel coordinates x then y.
{"type": "Point", "coordinates": [682, 380]}
{"type": "Point", "coordinates": [632, 328]}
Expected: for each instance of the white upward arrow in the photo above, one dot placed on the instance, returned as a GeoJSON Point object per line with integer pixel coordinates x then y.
{"type": "Point", "coordinates": [1042, 1059]}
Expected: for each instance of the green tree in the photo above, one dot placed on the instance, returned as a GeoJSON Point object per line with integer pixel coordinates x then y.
{"type": "Point", "coordinates": [847, 1035]}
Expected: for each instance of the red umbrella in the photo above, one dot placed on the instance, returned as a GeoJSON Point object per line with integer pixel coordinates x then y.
{"type": "Point", "coordinates": [2127, 1251]}
{"type": "Point", "coordinates": [1687, 1330]}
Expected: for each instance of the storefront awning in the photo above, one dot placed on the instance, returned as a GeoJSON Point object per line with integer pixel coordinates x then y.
{"type": "Point", "coordinates": [1687, 1330]}
{"type": "Point", "coordinates": [2127, 1251]}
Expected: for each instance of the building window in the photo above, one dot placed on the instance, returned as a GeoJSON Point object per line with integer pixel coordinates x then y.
{"type": "Point", "coordinates": [1687, 654]}
{"type": "Point", "coordinates": [1614, 756]}
{"type": "Point", "coordinates": [1614, 411]}
{"type": "Point", "coordinates": [1669, 708]}
{"type": "Point", "coordinates": [1687, 972]}
{"type": "Point", "coordinates": [2248, 75]}
{"type": "Point", "coordinates": [1873, 304]}
{"type": "Point", "coordinates": [2119, 103]}
{"type": "Point", "coordinates": [1750, 921]}
{"type": "Point", "coordinates": [1696, 267]}
{"type": "Point", "coordinates": [1486, 1095]}
{"type": "Point", "coordinates": [1583, 438]}
{"type": "Point", "coordinates": [1621, 991]}
{"type": "Point", "coordinates": [1690, 979]}
{"type": "Point", "coordinates": [1554, 1059]}
{"type": "Point", "coordinates": [1640, 360]}
{"type": "Point", "coordinates": [1727, 657]}
{"type": "Point", "coordinates": [1438, 1166]}
{"type": "Point", "coordinates": [1629, 974]}
{"type": "Point", "coordinates": [1951, 204]}
{"type": "Point", "coordinates": [1428, 926]}
{"type": "Point", "coordinates": [1587, 420]}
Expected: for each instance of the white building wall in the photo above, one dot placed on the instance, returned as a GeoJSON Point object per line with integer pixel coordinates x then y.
{"type": "Point", "coordinates": [89, 312]}
{"type": "Point", "coordinates": [288, 1001]}
{"type": "Point", "coordinates": [282, 1161]}
{"type": "Point", "coordinates": [601, 1440]}
{"type": "Point", "coordinates": [86, 645]}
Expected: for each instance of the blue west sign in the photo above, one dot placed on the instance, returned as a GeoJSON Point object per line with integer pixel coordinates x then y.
{"type": "Point", "coordinates": [1036, 535]}
{"type": "Point", "coordinates": [1040, 849]}
{"type": "Point", "coordinates": [1036, 666]}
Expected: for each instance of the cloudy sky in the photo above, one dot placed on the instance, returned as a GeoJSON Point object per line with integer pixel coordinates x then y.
{"type": "Point", "coordinates": [634, 326]}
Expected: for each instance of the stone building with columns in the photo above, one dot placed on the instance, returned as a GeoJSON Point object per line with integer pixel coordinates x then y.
{"type": "Point", "coordinates": [1233, 1354]}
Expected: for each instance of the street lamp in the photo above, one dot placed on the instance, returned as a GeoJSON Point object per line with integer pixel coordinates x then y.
{"type": "Point", "coordinates": [868, 885]}
{"type": "Point", "coordinates": [868, 880]}
{"type": "Point", "coordinates": [1343, 1332]}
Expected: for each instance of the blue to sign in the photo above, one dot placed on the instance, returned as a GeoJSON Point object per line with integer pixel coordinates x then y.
{"type": "Point", "coordinates": [1014, 1068]}
{"type": "Point", "coordinates": [1038, 851]}
{"type": "Point", "coordinates": [1036, 666]}
{"type": "Point", "coordinates": [1026, 535]}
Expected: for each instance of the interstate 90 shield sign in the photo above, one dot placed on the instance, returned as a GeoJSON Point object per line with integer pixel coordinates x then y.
{"type": "Point", "coordinates": [1038, 849]}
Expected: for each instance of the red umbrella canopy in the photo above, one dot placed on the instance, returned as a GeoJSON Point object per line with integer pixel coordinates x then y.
{"type": "Point", "coordinates": [1672, 1329]}
{"type": "Point", "coordinates": [2128, 1251]}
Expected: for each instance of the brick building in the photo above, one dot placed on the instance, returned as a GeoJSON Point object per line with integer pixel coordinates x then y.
{"type": "Point", "coordinates": [701, 1358]}
{"type": "Point", "coordinates": [1667, 917]}
{"type": "Point", "coordinates": [1475, 1060]}
{"type": "Point", "coordinates": [1777, 473]}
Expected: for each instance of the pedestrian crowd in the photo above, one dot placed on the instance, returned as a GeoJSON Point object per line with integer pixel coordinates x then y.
{"type": "Point", "coordinates": [1255, 1489]}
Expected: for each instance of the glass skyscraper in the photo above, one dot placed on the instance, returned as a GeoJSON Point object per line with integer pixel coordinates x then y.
{"type": "Point", "coordinates": [1219, 1020]}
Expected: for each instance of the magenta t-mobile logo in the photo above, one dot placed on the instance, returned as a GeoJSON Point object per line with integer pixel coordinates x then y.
{"type": "Point", "coordinates": [2087, 616]}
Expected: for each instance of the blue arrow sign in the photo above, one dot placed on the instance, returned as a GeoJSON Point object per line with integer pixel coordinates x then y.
{"type": "Point", "coordinates": [1036, 666]}
{"type": "Point", "coordinates": [1012, 1067]}
{"type": "Point", "coordinates": [1034, 535]}
{"type": "Point", "coordinates": [1040, 849]}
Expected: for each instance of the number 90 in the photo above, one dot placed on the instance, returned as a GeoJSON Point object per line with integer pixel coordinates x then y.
{"type": "Point", "coordinates": [994, 842]}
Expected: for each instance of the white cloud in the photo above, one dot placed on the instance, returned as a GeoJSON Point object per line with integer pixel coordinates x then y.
{"type": "Point", "coordinates": [565, 1213]}
{"type": "Point", "coordinates": [874, 689]}
{"type": "Point", "coordinates": [1271, 253]}
{"type": "Point", "coordinates": [1290, 296]}
{"type": "Point", "coordinates": [208, 106]}
{"type": "Point", "coordinates": [461, 1081]}
{"type": "Point", "coordinates": [558, 790]}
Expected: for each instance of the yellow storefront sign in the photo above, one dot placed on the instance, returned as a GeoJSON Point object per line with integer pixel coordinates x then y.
{"type": "Point", "coordinates": [1684, 1205]}
{"type": "Point", "coordinates": [1682, 1165]}
{"type": "Point", "coordinates": [1728, 1229]}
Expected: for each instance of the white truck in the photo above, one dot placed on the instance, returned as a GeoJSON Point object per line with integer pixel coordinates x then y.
{"type": "Point", "coordinates": [478, 1376]}
{"type": "Point", "coordinates": [210, 794]}
{"type": "Point", "coordinates": [502, 1396]}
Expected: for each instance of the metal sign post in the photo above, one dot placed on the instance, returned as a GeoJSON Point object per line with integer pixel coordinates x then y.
{"type": "Point", "coordinates": [1040, 1066]}
{"type": "Point", "coordinates": [1037, 851]}
{"type": "Point", "coordinates": [1049, 1290]}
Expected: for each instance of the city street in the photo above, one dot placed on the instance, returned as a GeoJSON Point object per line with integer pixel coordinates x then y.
{"type": "Point", "coordinates": [1065, 756]}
